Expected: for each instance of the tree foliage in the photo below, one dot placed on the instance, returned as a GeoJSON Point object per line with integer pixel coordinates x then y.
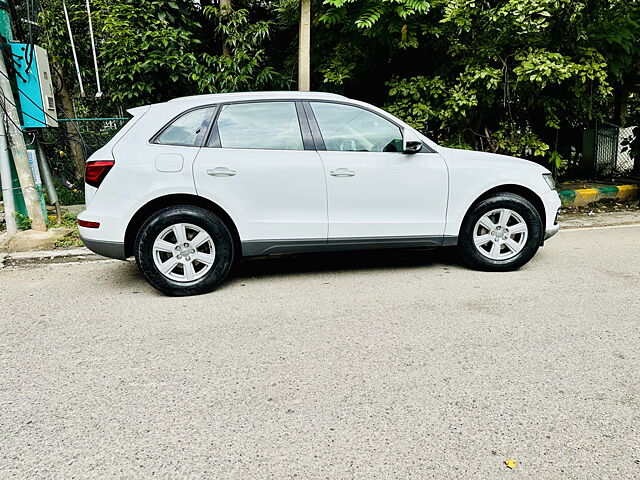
{"type": "Point", "coordinates": [514, 76]}
{"type": "Point", "coordinates": [502, 75]}
{"type": "Point", "coordinates": [148, 48]}
{"type": "Point", "coordinates": [245, 68]}
{"type": "Point", "coordinates": [154, 50]}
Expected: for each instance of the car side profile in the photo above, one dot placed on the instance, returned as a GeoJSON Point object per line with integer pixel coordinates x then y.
{"type": "Point", "coordinates": [190, 185]}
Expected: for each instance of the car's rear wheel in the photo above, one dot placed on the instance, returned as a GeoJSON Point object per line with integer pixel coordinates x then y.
{"type": "Point", "coordinates": [500, 233]}
{"type": "Point", "coordinates": [184, 250]}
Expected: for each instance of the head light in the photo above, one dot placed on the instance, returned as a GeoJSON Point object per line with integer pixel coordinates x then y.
{"type": "Point", "coordinates": [548, 177]}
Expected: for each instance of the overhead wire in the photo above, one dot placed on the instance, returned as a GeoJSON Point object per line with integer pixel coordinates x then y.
{"type": "Point", "coordinates": [32, 7]}
{"type": "Point", "coordinates": [85, 148]}
{"type": "Point", "coordinates": [6, 116]}
{"type": "Point", "coordinates": [3, 105]}
{"type": "Point", "coordinates": [29, 48]}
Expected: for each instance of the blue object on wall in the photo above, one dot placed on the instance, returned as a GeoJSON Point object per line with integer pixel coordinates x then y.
{"type": "Point", "coordinates": [33, 78]}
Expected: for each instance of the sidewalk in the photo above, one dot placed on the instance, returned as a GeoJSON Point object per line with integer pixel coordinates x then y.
{"type": "Point", "coordinates": [75, 255]}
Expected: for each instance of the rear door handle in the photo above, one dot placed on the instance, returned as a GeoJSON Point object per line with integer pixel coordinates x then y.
{"type": "Point", "coordinates": [221, 172]}
{"type": "Point", "coordinates": [342, 172]}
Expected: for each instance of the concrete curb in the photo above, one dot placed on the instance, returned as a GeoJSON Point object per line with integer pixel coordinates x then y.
{"type": "Point", "coordinates": [584, 196]}
{"type": "Point", "coordinates": [48, 256]}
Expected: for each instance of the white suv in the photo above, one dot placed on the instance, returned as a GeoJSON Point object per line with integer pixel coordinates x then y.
{"type": "Point", "coordinates": [190, 185]}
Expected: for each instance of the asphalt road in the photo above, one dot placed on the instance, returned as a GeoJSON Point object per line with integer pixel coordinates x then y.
{"type": "Point", "coordinates": [377, 365]}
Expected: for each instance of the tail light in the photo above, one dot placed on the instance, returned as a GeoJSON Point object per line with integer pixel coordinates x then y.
{"type": "Point", "coordinates": [87, 224]}
{"type": "Point", "coordinates": [96, 170]}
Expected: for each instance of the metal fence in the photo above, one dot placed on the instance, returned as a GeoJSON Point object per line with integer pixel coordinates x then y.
{"type": "Point", "coordinates": [608, 151]}
{"type": "Point", "coordinates": [69, 145]}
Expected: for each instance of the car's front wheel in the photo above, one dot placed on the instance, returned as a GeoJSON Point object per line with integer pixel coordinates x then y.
{"type": "Point", "coordinates": [500, 233]}
{"type": "Point", "coordinates": [184, 250]}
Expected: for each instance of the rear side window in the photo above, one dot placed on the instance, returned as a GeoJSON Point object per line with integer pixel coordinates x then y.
{"type": "Point", "coordinates": [188, 129]}
{"type": "Point", "coordinates": [259, 125]}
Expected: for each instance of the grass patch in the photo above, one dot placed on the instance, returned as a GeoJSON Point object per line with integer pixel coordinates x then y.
{"type": "Point", "coordinates": [72, 239]}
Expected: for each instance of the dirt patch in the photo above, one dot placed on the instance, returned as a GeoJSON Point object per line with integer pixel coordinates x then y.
{"type": "Point", "coordinates": [604, 206]}
{"type": "Point", "coordinates": [600, 214]}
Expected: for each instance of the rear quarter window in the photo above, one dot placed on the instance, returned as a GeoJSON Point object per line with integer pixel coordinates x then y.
{"type": "Point", "coordinates": [188, 130]}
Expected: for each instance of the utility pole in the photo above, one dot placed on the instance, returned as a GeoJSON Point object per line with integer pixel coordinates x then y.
{"type": "Point", "coordinates": [225, 6]}
{"type": "Point", "coordinates": [15, 139]}
{"type": "Point", "coordinates": [5, 160]}
{"type": "Point", "coordinates": [45, 171]}
{"type": "Point", "coordinates": [304, 46]}
{"type": "Point", "coordinates": [7, 187]}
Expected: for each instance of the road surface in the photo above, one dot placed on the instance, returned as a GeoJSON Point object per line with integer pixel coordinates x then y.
{"type": "Point", "coordinates": [375, 365]}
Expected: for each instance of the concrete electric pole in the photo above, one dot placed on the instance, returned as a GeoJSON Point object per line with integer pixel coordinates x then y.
{"type": "Point", "coordinates": [15, 140]}
{"type": "Point", "coordinates": [304, 47]}
{"type": "Point", "coordinates": [7, 187]}
{"type": "Point", "coordinates": [19, 152]}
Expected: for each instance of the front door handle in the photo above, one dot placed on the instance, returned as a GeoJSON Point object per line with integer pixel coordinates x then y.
{"type": "Point", "coordinates": [342, 172]}
{"type": "Point", "coordinates": [221, 172]}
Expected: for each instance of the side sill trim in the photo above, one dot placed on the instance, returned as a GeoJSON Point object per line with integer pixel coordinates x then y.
{"type": "Point", "coordinates": [106, 249]}
{"type": "Point", "coordinates": [252, 248]}
{"type": "Point", "coordinates": [450, 241]}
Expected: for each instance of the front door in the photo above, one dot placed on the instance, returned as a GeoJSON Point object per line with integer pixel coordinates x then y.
{"type": "Point", "coordinates": [255, 166]}
{"type": "Point", "coordinates": [376, 192]}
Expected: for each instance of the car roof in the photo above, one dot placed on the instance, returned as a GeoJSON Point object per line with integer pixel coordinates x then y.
{"type": "Point", "coordinates": [194, 101]}
{"type": "Point", "coordinates": [239, 96]}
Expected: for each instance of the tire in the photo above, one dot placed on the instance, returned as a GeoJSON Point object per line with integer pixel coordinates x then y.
{"type": "Point", "coordinates": [190, 269]}
{"type": "Point", "coordinates": [498, 244]}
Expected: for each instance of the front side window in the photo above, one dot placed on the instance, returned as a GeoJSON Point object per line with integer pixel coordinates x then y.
{"type": "Point", "coordinates": [346, 128]}
{"type": "Point", "coordinates": [188, 129]}
{"type": "Point", "coordinates": [260, 125]}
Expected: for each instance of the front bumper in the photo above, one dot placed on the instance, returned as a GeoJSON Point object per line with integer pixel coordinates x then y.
{"type": "Point", "coordinates": [551, 231]}
{"type": "Point", "coordinates": [106, 249]}
{"type": "Point", "coordinates": [551, 202]}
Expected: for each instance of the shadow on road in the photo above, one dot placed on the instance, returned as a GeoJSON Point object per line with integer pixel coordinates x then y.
{"type": "Point", "coordinates": [128, 277]}
{"type": "Point", "coordinates": [345, 261]}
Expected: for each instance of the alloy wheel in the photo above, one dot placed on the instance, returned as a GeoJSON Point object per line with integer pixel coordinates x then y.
{"type": "Point", "coordinates": [184, 252]}
{"type": "Point", "coordinates": [500, 234]}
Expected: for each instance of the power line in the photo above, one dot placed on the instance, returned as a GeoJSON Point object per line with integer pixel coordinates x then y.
{"type": "Point", "coordinates": [82, 142]}
{"type": "Point", "coordinates": [6, 99]}
{"type": "Point", "coordinates": [15, 84]}
{"type": "Point", "coordinates": [4, 109]}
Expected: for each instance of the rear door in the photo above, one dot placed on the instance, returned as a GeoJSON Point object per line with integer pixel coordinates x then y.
{"type": "Point", "coordinates": [259, 164]}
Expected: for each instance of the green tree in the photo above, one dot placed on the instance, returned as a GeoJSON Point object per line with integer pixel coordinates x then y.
{"type": "Point", "coordinates": [148, 48]}
{"type": "Point", "coordinates": [505, 76]}
{"type": "Point", "coordinates": [513, 76]}
{"type": "Point", "coordinates": [242, 66]}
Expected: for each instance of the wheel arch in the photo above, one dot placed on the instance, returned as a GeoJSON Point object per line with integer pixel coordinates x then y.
{"type": "Point", "coordinates": [524, 192]}
{"type": "Point", "coordinates": [156, 204]}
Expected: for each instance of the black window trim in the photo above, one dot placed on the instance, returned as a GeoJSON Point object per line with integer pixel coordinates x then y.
{"type": "Point", "coordinates": [309, 129]}
{"type": "Point", "coordinates": [213, 138]}
{"type": "Point", "coordinates": [214, 134]}
{"type": "Point", "coordinates": [315, 128]}
{"type": "Point", "coordinates": [317, 135]}
{"type": "Point", "coordinates": [200, 139]}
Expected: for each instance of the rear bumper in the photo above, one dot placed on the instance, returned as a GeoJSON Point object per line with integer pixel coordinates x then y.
{"type": "Point", "coordinates": [106, 249]}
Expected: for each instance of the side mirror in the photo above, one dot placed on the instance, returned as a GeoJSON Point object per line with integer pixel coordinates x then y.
{"type": "Point", "coordinates": [411, 143]}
